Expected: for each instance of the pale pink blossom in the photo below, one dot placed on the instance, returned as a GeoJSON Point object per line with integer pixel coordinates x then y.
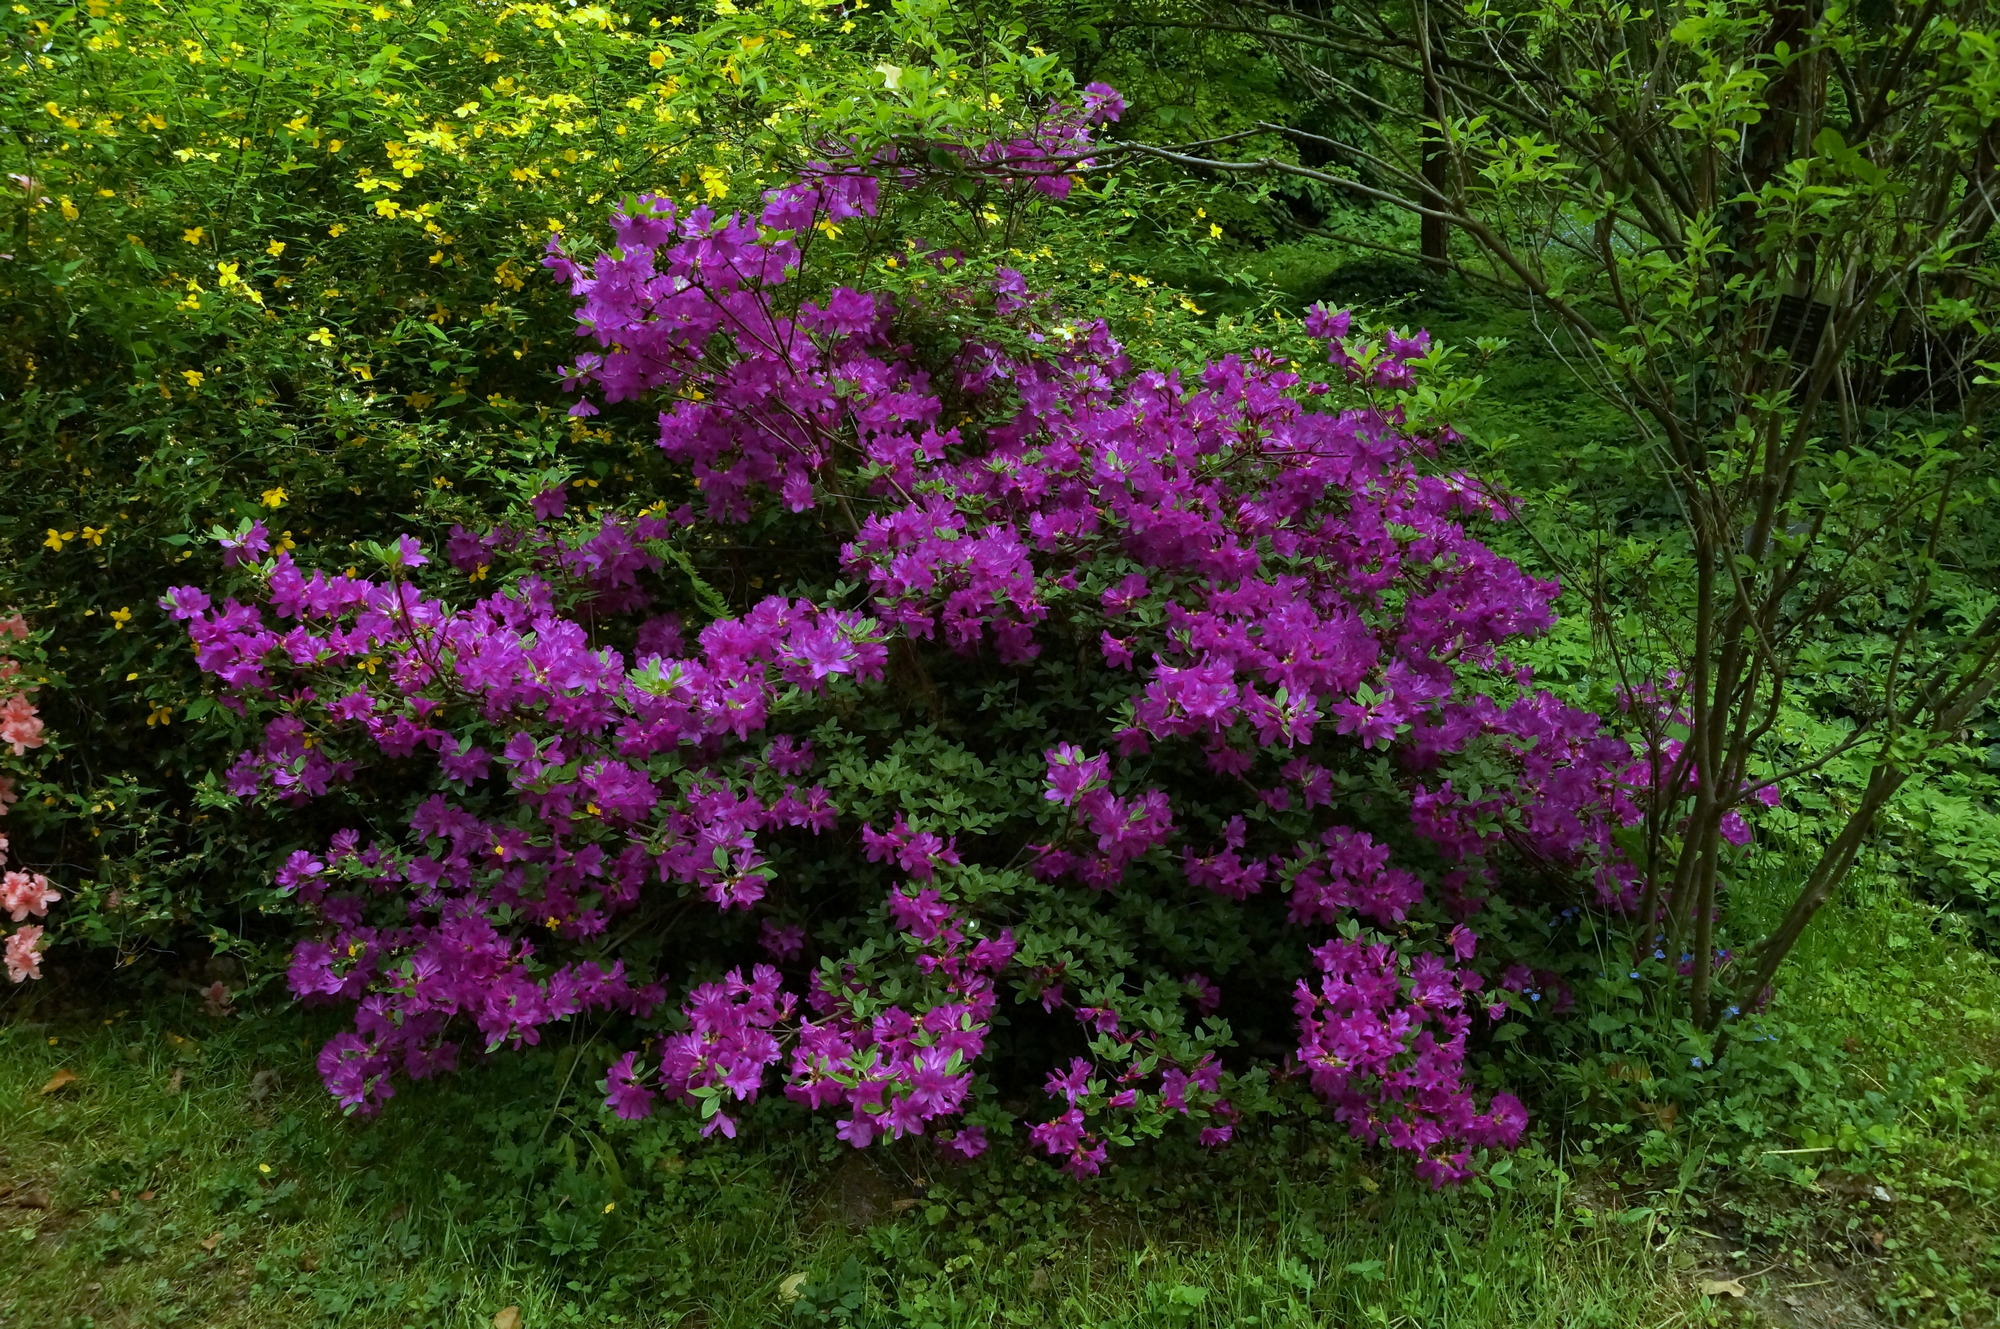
{"type": "Point", "coordinates": [25, 893]}
{"type": "Point", "coordinates": [24, 961]}
{"type": "Point", "coordinates": [20, 726]}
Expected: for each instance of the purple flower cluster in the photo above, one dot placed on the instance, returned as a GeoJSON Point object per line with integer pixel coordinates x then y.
{"type": "Point", "coordinates": [1382, 1037]}
{"type": "Point", "coordinates": [1283, 587]}
{"type": "Point", "coordinates": [895, 1070]}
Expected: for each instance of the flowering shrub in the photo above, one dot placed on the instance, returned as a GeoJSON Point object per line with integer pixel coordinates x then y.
{"type": "Point", "coordinates": [23, 894]}
{"type": "Point", "coordinates": [1106, 711]}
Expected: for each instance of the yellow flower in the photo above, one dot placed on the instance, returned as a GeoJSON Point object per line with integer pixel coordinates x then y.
{"type": "Point", "coordinates": [119, 618]}
{"type": "Point", "coordinates": [337, 230]}
{"type": "Point", "coordinates": [323, 337]}
{"type": "Point", "coordinates": [1214, 231]}
{"type": "Point", "coordinates": [336, 144]}
{"type": "Point", "coordinates": [193, 377]}
{"type": "Point", "coordinates": [387, 207]}
{"type": "Point", "coordinates": [657, 59]}
{"type": "Point", "coordinates": [379, 14]}
{"type": "Point", "coordinates": [58, 538]}
{"type": "Point", "coordinates": [275, 498]}
{"type": "Point", "coordinates": [193, 234]}
{"type": "Point", "coordinates": [275, 248]}
{"type": "Point", "coordinates": [714, 179]}
{"type": "Point", "coordinates": [94, 535]}
{"type": "Point", "coordinates": [69, 211]}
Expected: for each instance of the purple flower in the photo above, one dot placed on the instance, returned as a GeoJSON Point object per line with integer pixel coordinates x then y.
{"type": "Point", "coordinates": [624, 1094]}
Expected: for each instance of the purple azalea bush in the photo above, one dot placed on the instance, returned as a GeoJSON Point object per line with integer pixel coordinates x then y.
{"type": "Point", "coordinates": [1141, 741]}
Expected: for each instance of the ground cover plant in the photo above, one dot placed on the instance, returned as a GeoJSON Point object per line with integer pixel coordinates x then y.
{"type": "Point", "coordinates": [705, 586]}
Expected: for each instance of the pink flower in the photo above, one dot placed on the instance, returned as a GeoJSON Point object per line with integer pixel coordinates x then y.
{"type": "Point", "coordinates": [25, 893]}
{"type": "Point", "coordinates": [20, 726]}
{"type": "Point", "coordinates": [23, 959]}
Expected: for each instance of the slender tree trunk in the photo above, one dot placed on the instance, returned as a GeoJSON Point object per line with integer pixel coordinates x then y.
{"type": "Point", "coordinates": [1434, 236]}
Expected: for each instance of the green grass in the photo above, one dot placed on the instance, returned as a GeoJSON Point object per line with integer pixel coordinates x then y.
{"type": "Point", "coordinates": [193, 1173]}
{"type": "Point", "coordinates": [159, 1210]}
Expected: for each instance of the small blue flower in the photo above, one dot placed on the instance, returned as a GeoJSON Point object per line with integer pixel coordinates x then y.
{"type": "Point", "coordinates": [1695, 1062]}
{"type": "Point", "coordinates": [1635, 973]}
{"type": "Point", "coordinates": [1733, 1012]}
{"type": "Point", "coordinates": [1659, 955]}
{"type": "Point", "coordinates": [1534, 996]}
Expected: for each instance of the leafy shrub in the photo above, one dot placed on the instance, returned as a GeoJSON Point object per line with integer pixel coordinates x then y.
{"type": "Point", "coordinates": [919, 764]}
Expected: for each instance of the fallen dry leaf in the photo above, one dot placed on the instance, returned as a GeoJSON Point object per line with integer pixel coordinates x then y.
{"type": "Point", "coordinates": [788, 1291]}
{"type": "Point", "coordinates": [174, 1081]}
{"type": "Point", "coordinates": [147, 1195]}
{"type": "Point", "coordinates": [1723, 1287]}
{"type": "Point", "coordinates": [898, 1206]}
{"type": "Point", "coordinates": [508, 1318]}
{"type": "Point", "coordinates": [32, 1200]}
{"type": "Point", "coordinates": [208, 1242]}
{"type": "Point", "coordinates": [63, 1077]}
